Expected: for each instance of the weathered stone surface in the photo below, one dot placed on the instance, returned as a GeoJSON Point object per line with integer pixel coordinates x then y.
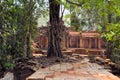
{"type": "Point", "coordinates": [76, 70]}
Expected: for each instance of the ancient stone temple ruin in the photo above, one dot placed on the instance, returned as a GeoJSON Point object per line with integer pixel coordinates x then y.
{"type": "Point", "coordinates": [80, 42]}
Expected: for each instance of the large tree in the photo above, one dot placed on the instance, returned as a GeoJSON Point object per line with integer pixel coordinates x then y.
{"type": "Point", "coordinates": [55, 30]}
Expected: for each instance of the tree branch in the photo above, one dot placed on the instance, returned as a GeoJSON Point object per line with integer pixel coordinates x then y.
{"type": "Point", "coordinates": [74, 3]}
{"type": "Point", "coordinates": [62, 12]}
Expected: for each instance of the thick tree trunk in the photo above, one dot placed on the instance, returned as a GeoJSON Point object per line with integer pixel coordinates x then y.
{"type": "Point", "coordinates": [54, 48]}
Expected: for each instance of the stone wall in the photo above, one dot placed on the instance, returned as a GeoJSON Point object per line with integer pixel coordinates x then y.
{"type": "Point", "coordinates": [72, 39]}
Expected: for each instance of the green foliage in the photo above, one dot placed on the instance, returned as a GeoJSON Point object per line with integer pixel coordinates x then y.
{"type": "Point", "coordinates": [92, 12]}
{"type": "Point", "coordinates": [17, 18]}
